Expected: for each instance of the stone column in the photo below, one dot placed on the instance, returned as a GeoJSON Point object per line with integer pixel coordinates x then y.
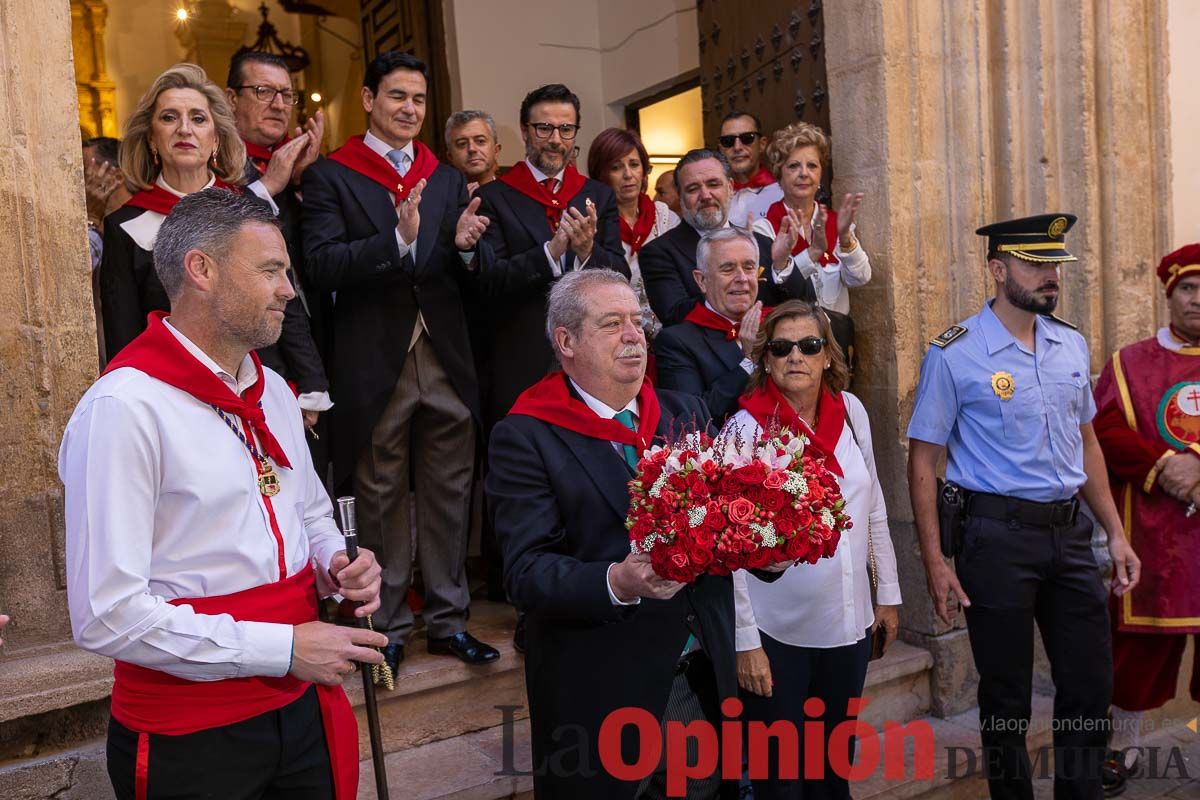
{"type": "Point", "coordinates": [951, 115]}
{"type": "Point", "coordinates": [47, 327]}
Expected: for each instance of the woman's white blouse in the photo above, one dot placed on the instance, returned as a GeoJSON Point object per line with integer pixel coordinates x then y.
{"type": "Point", "coordinates": [833, 281]}
{"type": "Point", "coordinates": [827, 604]}
{"type": "Point", "coordinates": [664, 220]}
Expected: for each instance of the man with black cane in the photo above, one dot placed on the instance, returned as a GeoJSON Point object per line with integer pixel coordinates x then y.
{"type": "Point", "coordinates": [199, 537]}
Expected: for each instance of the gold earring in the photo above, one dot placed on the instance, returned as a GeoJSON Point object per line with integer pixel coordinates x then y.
{"type": "Point", "coordinates": [154, 153]}
{"type": "Point", "coordinates": [213, 160]}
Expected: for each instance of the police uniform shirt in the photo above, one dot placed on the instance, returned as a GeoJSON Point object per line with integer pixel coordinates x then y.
{"type": "Point", "coordinates": [1008, 417]}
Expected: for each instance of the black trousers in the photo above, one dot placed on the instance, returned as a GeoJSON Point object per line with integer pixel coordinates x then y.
{"type": "Point", "coordinates": [1014, 575]}
{"type": "Point", "coordinates": [834, 674]}
{"type": "Point", "coordinates": [280, 755]}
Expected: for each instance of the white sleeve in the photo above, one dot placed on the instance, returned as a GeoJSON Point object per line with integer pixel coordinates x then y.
{"type": "Point", "coordinates": [745, 627]}
{"type": "Point", "coordinates": [404, 247]}
{"type": "Point", "coordinates": [887, 574]}
{"type": "Point", "coordinates": [315, 401]}
{"type": "Point", "coordinates": [260, 190]}
{"type": "Point", "coordinates": [555, 265]}
{"type": "Point", "coordinates": [855, 267]}
{"type": "Point", "coordinates": [110, 466]}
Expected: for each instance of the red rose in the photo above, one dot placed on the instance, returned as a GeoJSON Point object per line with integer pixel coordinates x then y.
{"type": "Point", "coordinates": [775, 500]}
{"type": "Point", "coordinates": [753, 473]}
{"type": "Point", "coordinates": [759, 558]}
{"type": "Point", "coordinates": [775, 480]}
{"type": "Point", "coordinates": [741, 511]}
{"type": "Point", "coordinates": [796, 548]}
{"type": "Point", "coordinates": [729, 484]}
{"type": "Point", "coordinates": [700, 556]}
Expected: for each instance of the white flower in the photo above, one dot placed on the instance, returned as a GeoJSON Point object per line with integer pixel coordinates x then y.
{"type": "Point", "coordinates": [656, 489]}
{"type": "Point", "coordinates": [766, 533]}
{"type": "Point", "coordinates": [827, 517]}
{"type": "Point", "coordinates": [696, 516]}
{"type": "Point", "coordinates": [796, 485]}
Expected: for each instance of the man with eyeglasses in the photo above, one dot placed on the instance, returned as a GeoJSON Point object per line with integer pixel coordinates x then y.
{"type": "Point", "coordinates": [668, 263]}
{"type": "Point", "coordinates": [390, 230]}
{"type": "Point", "coordinates": [546, 220]}
{"type": "Point", "coordinates": [259, 88]}
{"type": "Point", "coordinates": [742, 142]}
{"type": "Point", "coordinates": [709, 353]}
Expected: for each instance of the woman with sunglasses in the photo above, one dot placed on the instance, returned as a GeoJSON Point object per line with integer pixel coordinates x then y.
{"type": "Point", "coordinates": [822, 241]}
{"type": "Point", "coordinates": [618, 157]}
{"type": "Point", "coordinates": [808, 635]}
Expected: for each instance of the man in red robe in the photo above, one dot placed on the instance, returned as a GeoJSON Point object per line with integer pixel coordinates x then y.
{"type": "Point", "coordinates": [1148, 423]}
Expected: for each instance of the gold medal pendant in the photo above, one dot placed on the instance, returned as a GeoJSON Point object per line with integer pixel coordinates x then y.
{"type": "Point", "coordinates": [268, 481]}
{"type": "Point", "coordinates": [1003, 385]}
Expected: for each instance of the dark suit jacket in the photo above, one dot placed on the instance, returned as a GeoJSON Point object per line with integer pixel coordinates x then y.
{"type": "Point", "coordinates": [701, 362]}
{"type": "Point", "coordinates": [668, 261]}
{"type": "Point", "coordinates": [514, 284]}
{"type": "Point", "coordinates": [130, 290]}
{"type": "Point", "coordinates": [559, 501]}
{"type": "Point", "coordinates": [350, 248]}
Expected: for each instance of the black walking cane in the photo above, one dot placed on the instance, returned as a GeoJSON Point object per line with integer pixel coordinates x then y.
{"type": "Point", "coordinates": [350, 531]}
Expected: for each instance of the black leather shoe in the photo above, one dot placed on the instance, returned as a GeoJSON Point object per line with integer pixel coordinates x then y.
{"type": "Point", "coordinates": [519, 634]}
{"type": "Point", "coordinates": [393, 654]}
{"type": "Point", "coordinates": [469, 649]}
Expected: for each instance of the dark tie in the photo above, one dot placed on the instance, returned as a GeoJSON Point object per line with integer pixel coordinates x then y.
{"type": "Point", "coordinates": [631, 453]}
{"type": "Point", "coordinates": [551, 184]}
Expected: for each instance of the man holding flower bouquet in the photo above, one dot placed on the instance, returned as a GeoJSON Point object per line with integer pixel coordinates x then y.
{"type": "Point", "coordinates": [605, 630]}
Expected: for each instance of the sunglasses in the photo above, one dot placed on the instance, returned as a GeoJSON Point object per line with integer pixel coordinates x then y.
{"type": "Point", "coordinates": [782, 348]}
{"type": "Point", "coordinates": [746, 138]}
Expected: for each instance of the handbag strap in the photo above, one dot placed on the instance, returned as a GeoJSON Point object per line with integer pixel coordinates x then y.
{"type": "Point", "coordinates": [871, 570]}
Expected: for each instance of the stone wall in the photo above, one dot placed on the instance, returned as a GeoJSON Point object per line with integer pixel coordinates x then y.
{"type": "Point", "coordinates": [951, 115]}
{"type": "Point", "coordinates": [47, 326]}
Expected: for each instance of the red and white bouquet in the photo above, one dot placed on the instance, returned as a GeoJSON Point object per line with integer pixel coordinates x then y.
{"type": "Point", "coordinates": [710, 506]}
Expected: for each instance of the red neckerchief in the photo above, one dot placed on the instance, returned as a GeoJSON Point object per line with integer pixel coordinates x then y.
{"type": "Point", "coordinates": [758, 180]}
{"type": "Point", "coordinates": [775, 215]}
{"type": "Point", "coordinates": [705, 317]}
{"type": "Point", "coordinates": [261, 156]}
{"type": "Point", "coordinates": [637, 235]}
{"type": "Point", "coordinates": [521, 179]}
{"type": "Point", "coordinates": [550, 401]}
{"type": "Point", "coordinates": [160, 201]}
{"type": "Point", "coordinates": [157, 353]}
{"type": "Point", "coordinates": [767, 404]}
{"type": "Point", "coordinates": [355, 155]}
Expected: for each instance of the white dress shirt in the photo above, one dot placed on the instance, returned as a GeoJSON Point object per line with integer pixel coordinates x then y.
{"type": "Point", "coordinates": [557, 266]}
{"type": "Point", "coordinates": [832, 282]}
{"type": "Point", "coordinates": [607, 412]}
{"type": "Point", "coordinates": [664, 220]}
{"type": "Point", "coordinates": [827, 604]}
{"type": "Point", "coordinates": [162, 502]}
{"type": "Point", "coordinates": [753, 202]}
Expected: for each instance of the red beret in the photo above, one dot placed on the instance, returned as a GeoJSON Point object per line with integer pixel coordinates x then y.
{"type": "Point", "coordinates": [1184, 261]}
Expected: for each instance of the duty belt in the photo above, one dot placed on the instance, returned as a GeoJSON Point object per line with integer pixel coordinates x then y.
{"type": "Point", "coordinates": [1060, 513]}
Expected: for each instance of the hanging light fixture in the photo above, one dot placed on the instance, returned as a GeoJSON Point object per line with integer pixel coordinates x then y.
{"type": "Point", "coordinates": [268, 41]}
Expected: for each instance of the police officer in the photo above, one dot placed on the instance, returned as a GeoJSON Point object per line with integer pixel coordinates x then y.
{"type": "Point", "coordinates": [1006, 395]}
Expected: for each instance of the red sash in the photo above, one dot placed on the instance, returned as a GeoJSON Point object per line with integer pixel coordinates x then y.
{"type": "Point", "coordinates": [355, 155]}
{"type": "Point", "coordinates": [1147, 398]}
{"type": "Point", "coordinates": [550, 401]}
{"type": "Point", "coordinates": [705, 317]}
{"type": "Point", "coordinates": [521, 179]}
{"type": "Point", "coordinates": [261, 156]}
{"type": "Point", "coordinates": [758, 180]}
{"type": "Point", "coordinates": [637, 235]}
{"type": "Point", "coordinates": [775, 215]}
{"type": "Point", "coordinates": [149, 701]}
{"type": "Point", "coordinates": [768, 405]}
{"type": "Point", "coordinates": [160, 201]}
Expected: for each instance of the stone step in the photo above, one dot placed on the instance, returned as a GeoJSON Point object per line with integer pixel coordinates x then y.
{"type": "Point", "coordinates": [897, 685]}
{"type": "Point", "coordinates": [440, 697]}
{"type": "Point", "coordinates": [474, 766]}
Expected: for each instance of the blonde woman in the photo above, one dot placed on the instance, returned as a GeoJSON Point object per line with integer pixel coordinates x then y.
{"type": "Point", "coordinates": [180, 139]}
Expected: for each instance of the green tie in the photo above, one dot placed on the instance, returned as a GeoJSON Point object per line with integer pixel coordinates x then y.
{"type": "Point", "coordinates": [631, 453]}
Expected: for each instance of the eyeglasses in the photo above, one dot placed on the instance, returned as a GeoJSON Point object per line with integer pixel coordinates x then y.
{"type": "Point", "coordinates": [543, 130]}
{"type": "Point", "coordinates": [267, 94]}
{"type": "Point", "coordinates": [782, 348]}
{"type": "Point", "coordinates": [746, 138]}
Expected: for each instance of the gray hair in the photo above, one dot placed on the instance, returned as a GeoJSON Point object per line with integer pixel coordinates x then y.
{"type": "Point", "coordinates": [567, 306]}
{"type": "Point", "coordinates": [701, 154]}
{"type": "Point", "coordinates": [731, 233]}
{"type": "Point", "coordinates": [206, 221]}
{"type": "Point", "coordinates": [460, 118]}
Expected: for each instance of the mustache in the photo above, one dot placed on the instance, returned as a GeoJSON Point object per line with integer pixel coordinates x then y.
{"type": "Point", "coordinates": [632, 350]}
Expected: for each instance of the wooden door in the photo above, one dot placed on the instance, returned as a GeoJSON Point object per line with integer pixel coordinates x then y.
{"type": "Point", "coordinates": [766, 57]}
{"type": "Point", "coordinates": [414, 26]}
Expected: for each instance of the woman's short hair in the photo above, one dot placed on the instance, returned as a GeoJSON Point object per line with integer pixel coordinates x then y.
{"type": "Point", "coordinates": [610, 146]}
{"type": "Point", "coordinates": [798, 134]}
{"type": "Point", "coordinates": [137, 161]}
{"type": "Point", "coordinates": [836, 377]}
